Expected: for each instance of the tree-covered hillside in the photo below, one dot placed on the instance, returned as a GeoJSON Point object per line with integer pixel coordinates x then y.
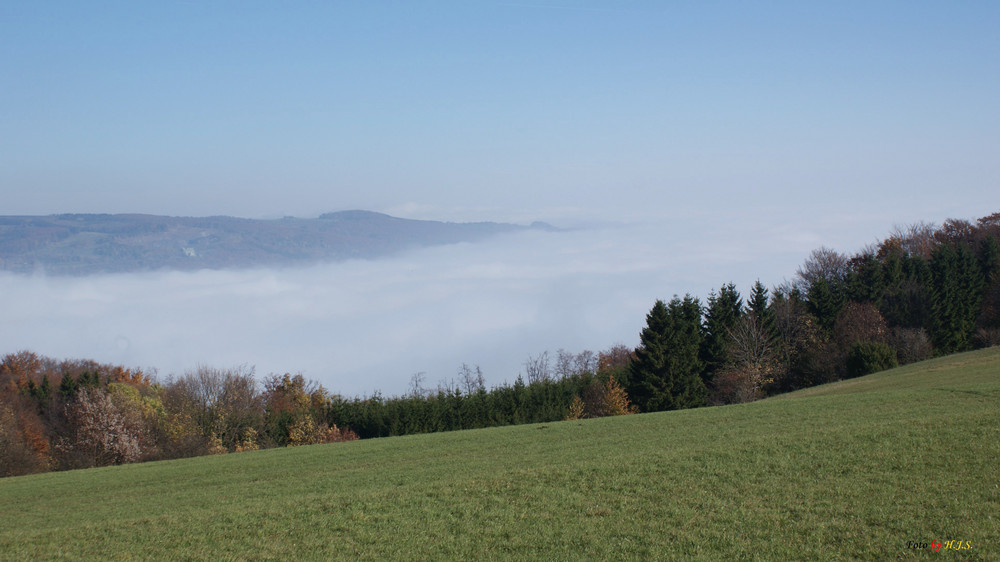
{"type": "Point", "coordinates": [85, 244]}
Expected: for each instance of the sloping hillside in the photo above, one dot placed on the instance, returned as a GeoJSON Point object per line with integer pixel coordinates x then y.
{"type": "Point", "coordinates": [84, 244]}
{"type": "Point", "coordinates": [877, 468]}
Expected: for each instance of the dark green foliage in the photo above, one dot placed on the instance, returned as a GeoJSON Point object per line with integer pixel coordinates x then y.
{"type": "Point", "coordinates": [666, 374]}
{"type": "Point", "coordinates": [759, 305]}
{"type": "Point", "coordinates": [989, 264]}
{"type": "Point", "coordinates": [449, 409]}
{"type": "Point", "coordinates": [825, 300]}
{"type": "Point", "coordinates": [989, 258]}
{"type": "Point", "coordinates": [41, 392]}
{"type": "Point", "coordinates": [866, 280]}
{"type": "Point", "coordinates": [907, 300]}
{"type": "Point", "coordinates": [89, 379]}
{"type": "Point", "coordinates": [870, 357]}
{"type": "Point", "coordinates": [956, 293]}
{"type": "Point", "coordinates": [721, 315]}
{"type": "Point", "coordinates": [68, 386]}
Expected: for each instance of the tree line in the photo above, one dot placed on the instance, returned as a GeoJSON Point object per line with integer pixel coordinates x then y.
{"type": "Point", "coordinates": [59, 415]}
{"type": "Point", "coordinates": [921, 292]}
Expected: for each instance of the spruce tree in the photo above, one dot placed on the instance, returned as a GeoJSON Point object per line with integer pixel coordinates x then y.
{"type": "Point", "coordinates": [724, 310]}
{"type": "Point", "coordinates": [68, 386]}
{"type": "Point", "coordinates": [866, 280]}
{"type": "Point", "coordinates": [825, 302]}
{"type": "Point", "coordinates": [666, 373]}
{"type": "Point", "coordinates": [760, 307]}
{"type": "Point", "coordinates": [955, 297]}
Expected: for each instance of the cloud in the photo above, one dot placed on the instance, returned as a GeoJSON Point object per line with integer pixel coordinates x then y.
{"type": "Point", "coordinates": [361, 326]}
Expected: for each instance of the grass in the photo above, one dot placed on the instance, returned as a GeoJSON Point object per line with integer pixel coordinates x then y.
{"type": "Point", "coordinates": [851, 470]}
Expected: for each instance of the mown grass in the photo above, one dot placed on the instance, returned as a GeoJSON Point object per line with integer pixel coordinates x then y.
{"type": "Point", "coordinates": [852, 470]}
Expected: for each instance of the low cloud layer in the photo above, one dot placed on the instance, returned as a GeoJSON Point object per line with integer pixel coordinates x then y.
{"type": "Point", "coordinates": [363, 326]}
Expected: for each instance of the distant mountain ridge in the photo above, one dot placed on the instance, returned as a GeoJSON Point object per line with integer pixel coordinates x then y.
{"type": "Point", "coordinates": [83, 244]}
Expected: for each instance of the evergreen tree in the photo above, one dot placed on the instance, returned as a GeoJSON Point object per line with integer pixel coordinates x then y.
{"type": "Point", "coordinates": [989, 259]}
{"type": "Point", "coordinates": [721, 315]}
{"type": "Point", "coordinates": [866, 280]}
{"type": "Point", "coordinates": [68, 386]}
{"type": "Point", "coordinates": [825, 301]}
{"type": "Point", "coordinates": [989, 265]}
{"type": "Point", "coordinates": [907, 299]}
{"type": "Point", "coordinates": [758, 303]}
{"type": "Point", "coordinates": [666, 373]}
{"type": "Point", "coordinates": [956, 293]}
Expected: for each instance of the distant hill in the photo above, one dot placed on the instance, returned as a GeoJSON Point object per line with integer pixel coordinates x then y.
{"type": "Point", "coordinates": [81, 244]}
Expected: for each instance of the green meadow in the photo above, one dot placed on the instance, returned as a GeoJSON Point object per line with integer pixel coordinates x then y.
{"type": "Point", "coordinates": [867, 468]}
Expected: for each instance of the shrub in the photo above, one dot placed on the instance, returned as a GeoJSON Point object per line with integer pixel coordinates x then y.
{"type": "Point", "coordinates": [576, 409]}
{"type": "Point", "coordinates": [988, 337]}
{"type": "Point", "coordinates": [735, 386]}
{"type": "Point", "coordinates": [870, 357]}
{"type": "Point", "coordinates": [911, 344]}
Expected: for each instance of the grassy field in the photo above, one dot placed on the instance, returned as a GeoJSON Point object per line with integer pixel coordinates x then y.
{"type": "Point", "coordinates": [852, 470]}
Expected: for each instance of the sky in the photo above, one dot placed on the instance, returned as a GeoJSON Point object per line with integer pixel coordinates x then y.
{"type": "Point", "coordinates": [750, 132]}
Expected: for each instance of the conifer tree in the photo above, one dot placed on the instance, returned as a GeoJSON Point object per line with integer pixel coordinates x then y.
{"type": "Point", "coordinates": [825, 302]}
{"type": "Point", "coordinates": [68, 386]}
{"type": "Point", "coordinates": [666, 373]}
{"type": "Point", "coordinates": [866, 280]}
{"type": "Point", "coordinates": [760, 306]}
{"type": "Point", "coordinates": [721, 315]}
{"type": "Point", "coordinates": [956, 293]}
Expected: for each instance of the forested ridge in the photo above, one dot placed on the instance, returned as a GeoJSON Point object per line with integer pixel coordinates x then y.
{"type": "Point", "coordinates": [89, 244]}
{"type": "Point", "coordinates": [923, 291]}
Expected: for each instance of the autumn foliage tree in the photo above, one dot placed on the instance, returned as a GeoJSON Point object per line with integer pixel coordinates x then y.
{"type": "Point", "coordinates": [102, 434]}
{"type": "Point", "coordinates": [295, 411]}
{"type": "Point", "coordinates": [224, 404]}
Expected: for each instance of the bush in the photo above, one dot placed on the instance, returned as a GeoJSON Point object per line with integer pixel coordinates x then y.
{"type": "Point", "coordinates": [911, 344]}
{"type": "Point", "coordinates": [870, 357]}
{"type": "Point", "coordinates": [988, 337]}
{"type": "Point", "coordinates": [737, 386]}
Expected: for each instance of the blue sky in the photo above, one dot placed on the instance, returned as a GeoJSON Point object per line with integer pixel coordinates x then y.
{"type": "Point", "coordinates": [553, 110]}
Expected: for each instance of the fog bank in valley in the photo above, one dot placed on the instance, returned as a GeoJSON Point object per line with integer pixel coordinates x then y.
{"type": "Point", "coordinates": [361, 326]}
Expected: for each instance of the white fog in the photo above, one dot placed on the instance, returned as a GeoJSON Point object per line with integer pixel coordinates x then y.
{"type": "Point", "coordinates": [364, 326]}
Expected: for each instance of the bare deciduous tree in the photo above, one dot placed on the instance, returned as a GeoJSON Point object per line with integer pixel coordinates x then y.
{"type": "Point", "coordinates": [537, 368]}
{"type": "Point", "coordinates": [471, 379]}
{"type": "Point", "coordinates": [916, 239]}
{"type": "Point", "coordinates": [585, 362]}
{"type": "Point", "coordinates": [752, 345]}
{"type": "Point", "coordinates": [417, 389]}
{"type": "Point", "coordinates": [822, 263]}
{"type": "Point", "coordinates": [564, 364]}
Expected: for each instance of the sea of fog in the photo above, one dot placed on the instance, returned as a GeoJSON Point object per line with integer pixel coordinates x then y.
{"type": "Point", "coordinates": [361, 326]}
